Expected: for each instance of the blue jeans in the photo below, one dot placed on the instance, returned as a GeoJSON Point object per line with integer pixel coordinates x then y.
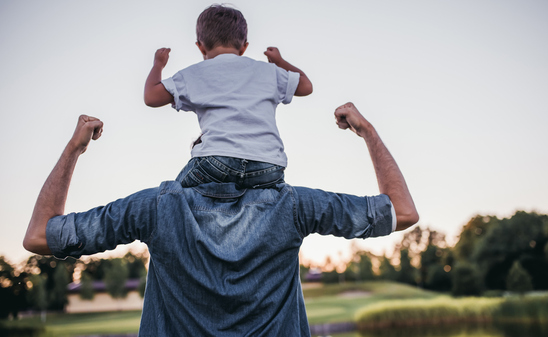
{"type": "Point", "coordinates": [245, 173]}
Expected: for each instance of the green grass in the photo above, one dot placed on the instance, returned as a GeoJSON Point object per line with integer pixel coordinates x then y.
{"type": "Point", "coordinates": [69, 325]}
{"type": "Point", "coordinates": [328, 304]}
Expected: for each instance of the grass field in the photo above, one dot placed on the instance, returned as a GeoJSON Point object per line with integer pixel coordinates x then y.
{"type": "Point", "coordinates": [326, 304]}
{"type": "Point", "coordinates": [339, 303]}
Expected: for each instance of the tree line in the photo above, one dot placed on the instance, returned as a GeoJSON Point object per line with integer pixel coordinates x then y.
{"type": "Point", "coordinates": [491, 256]}
{"type": "Point", "coordinates": [40, 284]}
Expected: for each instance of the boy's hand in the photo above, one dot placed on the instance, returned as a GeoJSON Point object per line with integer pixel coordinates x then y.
{"type": "Point", "coordinates": [161, 57]}
{"type": "Point", "coordinates": [273, 55]}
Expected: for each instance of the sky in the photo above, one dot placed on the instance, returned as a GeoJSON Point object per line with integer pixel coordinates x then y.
{"type": "Point", "coordinates": [457, 90]}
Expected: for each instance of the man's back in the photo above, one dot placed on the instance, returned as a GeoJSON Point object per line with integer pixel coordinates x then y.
{"type": "Point", "coordinates": [228, 267]}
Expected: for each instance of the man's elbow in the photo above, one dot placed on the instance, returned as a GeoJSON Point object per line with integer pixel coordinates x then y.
{"type": "Point", "coordinates": [29, 245]}
{"type": "Point", "coordinates": [36, 244]}
{"type": "Point", "coordinates": [407, 220]}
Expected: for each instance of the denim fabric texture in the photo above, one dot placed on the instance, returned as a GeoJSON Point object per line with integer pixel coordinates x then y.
{"type": "Point", "coordinates": [244, 173]}
{"type": "Point", "coordinates": [223, 260]}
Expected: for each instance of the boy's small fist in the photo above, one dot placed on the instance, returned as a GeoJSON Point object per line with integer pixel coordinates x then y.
{"type": "Point", "coordinates": [162, 56]}
{"type": "Point", "coordinates": [273, 55]}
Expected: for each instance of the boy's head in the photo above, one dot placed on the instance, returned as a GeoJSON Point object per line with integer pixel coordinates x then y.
{"type": "Point", "coordinates": [221, 26]}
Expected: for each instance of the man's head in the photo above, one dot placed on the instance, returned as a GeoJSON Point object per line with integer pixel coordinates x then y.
{"type": "Point", "coordinates": [219, 25]}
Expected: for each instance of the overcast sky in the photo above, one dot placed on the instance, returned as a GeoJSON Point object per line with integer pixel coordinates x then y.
{"type": "Point", "coordinates": [458, 91]}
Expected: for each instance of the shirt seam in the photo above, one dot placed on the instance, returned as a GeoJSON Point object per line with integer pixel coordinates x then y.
{"type": "Point", "coordinates": [295, 217]}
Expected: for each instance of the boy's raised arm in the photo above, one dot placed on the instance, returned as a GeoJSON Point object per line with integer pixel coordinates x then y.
{"type": "Point", "coordinates": [304, 88]}
{"type": "Point", "coordinates": [156, 94]}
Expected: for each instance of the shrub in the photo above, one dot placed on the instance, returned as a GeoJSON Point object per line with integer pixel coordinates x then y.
{"type": "Point", "coordinates": [518, 279]}
{"type": "Point", "coordinates": [421, 312]}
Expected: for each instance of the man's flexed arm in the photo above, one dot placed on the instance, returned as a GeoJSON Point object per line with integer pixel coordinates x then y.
{"type": "Point", "coordinates": [389, 176]}
{"type": "Point", "coordinates": [52, 198]}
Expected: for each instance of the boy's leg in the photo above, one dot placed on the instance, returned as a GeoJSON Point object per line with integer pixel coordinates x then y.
{"type": "Point", "coordinates": [263, 175]}
{"type": "Point", "coordinates": [248, 173]}
{"type": "Point", "coordinates": [245, 173]}
{"type": "Point", "coordinates": [197, 172]}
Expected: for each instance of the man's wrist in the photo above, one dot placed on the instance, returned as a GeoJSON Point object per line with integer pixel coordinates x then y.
{"type": "Point", "coordinates": [73, 149]}
{"type": "Point", "coordinates": [366, 130]}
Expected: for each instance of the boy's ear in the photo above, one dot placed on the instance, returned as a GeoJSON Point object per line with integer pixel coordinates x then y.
{"type": "Point", "coordinates": [202, 48]}
{"type": "Point", "coordinates": [243, 48]}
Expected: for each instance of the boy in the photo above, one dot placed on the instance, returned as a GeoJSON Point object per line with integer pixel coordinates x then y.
{"type": "Point", "coordinates": [235, 99]}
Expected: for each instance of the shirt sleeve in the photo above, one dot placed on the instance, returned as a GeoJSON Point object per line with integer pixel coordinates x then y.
{"type": "Point", "coordinates": [287, 84]}
{"type": "Point", "coordinates": [103, 228]}
{"type": "Point", "coordinates": [394, 220]}
{"type": "Point", "coordinates": [176, 86]}
{"type": "Point", "coordinates": [343, 215]}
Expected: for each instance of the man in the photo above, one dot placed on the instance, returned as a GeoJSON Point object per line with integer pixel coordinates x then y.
{"type": "Point", "coordinates": [223, 260]}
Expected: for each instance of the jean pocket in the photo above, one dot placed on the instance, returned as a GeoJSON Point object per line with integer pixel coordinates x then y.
{"type": "Point", "coordinates": [203, 172]}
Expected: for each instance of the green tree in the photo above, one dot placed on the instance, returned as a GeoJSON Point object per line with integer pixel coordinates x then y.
{"type": "Point", "coordinates": [86, 290]}
{"type": "Point", "coordinates": [387, 269]}
{"type": "Point", "coordinates": [47, 266]}
{"type": "Point", "coordinates": [412, 241]}
{"type": "Point", "coordinates": [407, 273]}
{"type": "Point", "coordinates": [38, 296]}
{"type": "Point", "coordinates": [58, 293]}
{"type": "Point", "coordinates": [142, 286]}
{"type": "Point", "coordinates": [471, 236]}
{"type": "Point", "coordinates": [330, 277]}
{"type": "Point", "coordinates": [136, 265]}
{"type": "Point", "coordinates": [13, 290]}
{"type": "Point", "coordinates": [518, 279]}
{"type": "Point", "coordinates": [466, 280]}
{"type": "Point", "coordinates": [437, 278]}
{"type": "Point", "coordinates": [520, 237]}
{"type": "Point", "coordinates": [115, 278]}
{"type": "Point", "coordinates": [303, 271]}
{"type": "Point", "coordinates": [7, 296]}
{"type": "Point", "coordinates": [96, 268]}
{"type": "Point", "coordinates": [429, 258]}
{"type": "Point", "coordinates": [365, 268]}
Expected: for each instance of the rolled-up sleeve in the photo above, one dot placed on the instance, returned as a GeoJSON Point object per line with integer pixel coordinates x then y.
{"type": "Point", "coordinates": [103, 228]}
{"type": "Point", "coordinates": [176, 86]}
{"type": "Point", "coordinates": [287, 84]}
{"type": "Point", "coordinates": [343, 215]}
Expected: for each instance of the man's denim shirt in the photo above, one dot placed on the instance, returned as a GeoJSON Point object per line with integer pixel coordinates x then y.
{"type": "Point", "coordinates": [223, 261]}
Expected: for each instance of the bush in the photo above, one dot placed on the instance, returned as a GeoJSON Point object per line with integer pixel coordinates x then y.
{"type": "Point", "coordinates": [518, 279]}
{"type": "Point", "coordinates": [524, 309]}
{"type": "Point", "coordinates": [421, 312]}
{"type": "Point", "coordinates": [466, 280]}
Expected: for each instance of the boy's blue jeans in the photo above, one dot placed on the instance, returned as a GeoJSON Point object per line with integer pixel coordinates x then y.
{"type": "Point", "coordinates": [245, 173]}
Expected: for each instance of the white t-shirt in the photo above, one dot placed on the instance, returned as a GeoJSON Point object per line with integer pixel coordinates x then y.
{"type": "Point", "coordinates": [235, 99]}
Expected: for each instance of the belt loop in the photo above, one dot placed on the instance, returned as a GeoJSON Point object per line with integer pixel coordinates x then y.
{"type": "Point", "coordinates": [243, 166]}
